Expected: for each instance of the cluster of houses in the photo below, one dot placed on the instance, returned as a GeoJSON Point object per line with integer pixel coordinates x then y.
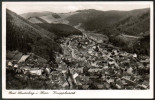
{"type": "Point", "coordinates": [86, 64]}
{"type": "Point", "coordinates": [29, 63]}
{"type": "Point", "coordinates": [100, 66]}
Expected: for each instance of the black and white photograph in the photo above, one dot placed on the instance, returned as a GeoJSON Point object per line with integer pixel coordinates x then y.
{"type": "Point", "coordinates": [77, 49]}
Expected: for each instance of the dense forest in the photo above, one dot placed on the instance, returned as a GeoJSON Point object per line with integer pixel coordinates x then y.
{"type": "Point", "coordinates": [23, 36]}
{"type": "Point", "coordinates": [61, 30]}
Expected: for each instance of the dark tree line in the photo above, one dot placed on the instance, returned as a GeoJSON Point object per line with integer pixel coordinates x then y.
{"type": "Point", "coordinates": [15, 40]}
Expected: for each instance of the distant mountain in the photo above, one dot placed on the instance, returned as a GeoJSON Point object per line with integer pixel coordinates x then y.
{"type": "Point", "coordinates": [107, 22]}
{"type": "Point", "coordinates": [26, 37]}
{"type": "Point", "coordinates": [36, 14]}
{"type": "Point", "coordinates": [95, 20]}
{"type": "Point", "coordinates": [49, 17]}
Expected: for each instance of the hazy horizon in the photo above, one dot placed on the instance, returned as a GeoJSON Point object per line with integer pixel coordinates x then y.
{"type": "Point", "coordinates": [65, 7]}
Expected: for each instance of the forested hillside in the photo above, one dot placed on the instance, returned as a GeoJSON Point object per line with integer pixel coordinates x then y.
{"type": "Point", "coordinates": [111, 23]}
{"type": "Point", "coordinates": [131, 22]}
{"type": "Point", "coordinates": [61, 30]}
{"type": "Point", "coordinates": [26, 37]}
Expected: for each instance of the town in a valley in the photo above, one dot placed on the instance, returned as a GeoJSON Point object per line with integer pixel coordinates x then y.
{"type": "Point", "coordinates": [62, 51]}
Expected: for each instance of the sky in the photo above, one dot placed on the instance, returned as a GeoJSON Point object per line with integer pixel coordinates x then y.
{"type": "Point", "coordinates": [64, 7]}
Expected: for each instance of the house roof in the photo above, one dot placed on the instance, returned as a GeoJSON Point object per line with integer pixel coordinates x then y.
{"type": "Point", "coordinates": [34, 68]}
{"type": "Point", "coordinates": [40, 59]}
{"type": "Point", "coordinates": [100, 86]}
{"type": "Point", "coordinates": [17, 56]}
{"type": "Point", "coordinates": [26, 68]}
{"type": "Point", "coordinates": [23, 58]}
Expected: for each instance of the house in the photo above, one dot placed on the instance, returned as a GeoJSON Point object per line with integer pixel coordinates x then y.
{"type": "Point", "coordinates": [145, 61]}
{"type": "Point", "coordinates": [55, 73]}
{"type": "Point", "coordinates": [126, 77]}
{"type": "Point", "coordinates": [100, 86]}
{"type": "Point", "coordinates": [135, 55]}
{"type": "Point", "coordinates": [103, 78]}
{"type": "Point", "coordinates": [110, 80]}
{"type": "Point", "coordinates": [84, 78]}
{"type": "Point", "coordinates": [42, 60]}
{"type": "Point", "coordinates": [25, 69]}
{"type": "Point", "coordinates": [111, 62]}
{"type": "Point", "coordinates": [106, 85]}
{"type": "Point", "coordinates": [94, 64]}
{"type": "Point", "coordinates": [19, 71]}
{"type": "Point", "coordinates": [122, 54]}
{"type": "Point", "coordinates": [85, 86]}
{"type": "Point", "coordinates": [23, 58]}
{"type": "Point", "coordinates": [90, 51]}
{"type": "Point", "coordinates": [118, 86]}
{"type": "Point", "coordinates": [94, 70]}
{"type": "Point", "coordinates": [78, 83]}
{"type": "Point", "coordinates": [84, 46]}
{"type": "Point", "coordinates": [10, 63]}
{"type": "Point", "coordinates": [75, 75]}
{"type": "Point", "coordinates": [47, 70]}
{"type": "Point", "coordinates": [115, 52]}
{"type": "Point", "coordinates": [130, 70]}
{"type": "Point", "coordinates": [105, 67]}
{"type": "Point", "coordinates": [17, 56]}
{"type": "Point", "coordinates": [15, 66]}
{"type": "Point", "coordinates": [58, 59]}
{"type": "Point", "coordinates": [78, 80]}
{"type": "Point", "coordinates": [35, 71]}
{"type": "Point", "coordinates": [62, 65]}
{"type": "Point", "coordinates": [123, 82]}
{"type": "Point", "coordinates": [64, 71]}
{"type": "Point", "coordinates": [64, 85]}
{"type": "Point", "coordinates": [80, 70]}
